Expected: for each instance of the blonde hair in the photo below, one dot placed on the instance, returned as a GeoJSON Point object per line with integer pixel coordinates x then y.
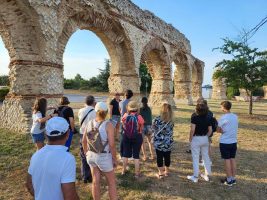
{"type": "Point", "coordinates": [166, 113]}
{"type": "Point", "coordinates": [101, 114]}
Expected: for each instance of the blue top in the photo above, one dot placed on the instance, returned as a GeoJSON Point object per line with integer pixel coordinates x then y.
{"type": "Point", "coordinates": [123, 106]}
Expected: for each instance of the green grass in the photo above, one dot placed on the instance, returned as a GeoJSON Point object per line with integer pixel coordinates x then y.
{"type": "Point", "coordinates": [16, 150]}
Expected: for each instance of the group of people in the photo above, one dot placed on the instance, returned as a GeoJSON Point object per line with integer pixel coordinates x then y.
{"type": "Point", "coordinates": [52, 170]}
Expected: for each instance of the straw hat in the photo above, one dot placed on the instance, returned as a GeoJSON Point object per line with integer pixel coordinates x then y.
{"type": "Point", "coordinates": [132, 106]}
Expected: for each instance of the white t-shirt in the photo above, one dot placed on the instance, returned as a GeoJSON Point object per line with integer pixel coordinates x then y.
{"type": "Point", "coordinates": [35, 124]}
{"type": "Point", "coordinates": [102, 131]}
{"type": "Point", "coordinates": [50, 167]}
{"type": "Point", "coordinates": [81, 114]}
{"type": "Point", "coordinates": [229, 124]}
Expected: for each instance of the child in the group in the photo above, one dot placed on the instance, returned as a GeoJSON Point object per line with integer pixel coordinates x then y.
{"type": "Point", "coordinates": [132, 125]}
{"type": "Point", "coordinates": [228, 127]}
{"type": "Point", "coordinates": [201, 129]}
{"type": "Point", "coordinates": [145, 112]}
{"type": "Point", "coordinates": [38, 124]}
{"type": "Point", "coordinates": [162, 127]}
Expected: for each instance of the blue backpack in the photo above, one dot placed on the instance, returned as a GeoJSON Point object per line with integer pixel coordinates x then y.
{"type": "Point", "coordinates": [130, 126]}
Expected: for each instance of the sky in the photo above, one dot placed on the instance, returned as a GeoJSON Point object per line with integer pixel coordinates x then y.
{"type": "Point", "coordinates": [204, 23]}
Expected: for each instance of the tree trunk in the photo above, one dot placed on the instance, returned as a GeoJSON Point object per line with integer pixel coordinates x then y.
{"type": "Point", "coordinates": [250, 103]}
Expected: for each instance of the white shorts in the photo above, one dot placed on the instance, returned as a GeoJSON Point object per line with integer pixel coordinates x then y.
{"type": "Point", "coordinates": [101, 160]}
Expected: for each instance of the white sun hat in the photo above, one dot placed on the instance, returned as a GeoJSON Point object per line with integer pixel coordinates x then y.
{"type": "Point", "coordinates": [101, 106]}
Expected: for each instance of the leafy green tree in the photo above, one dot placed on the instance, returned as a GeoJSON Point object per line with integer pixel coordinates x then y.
{"type": "Point", "coordinates": [4, 81]}
{"type": "Point", "coordinates": [103, 76]}
{"type": "Point", "coordinates": [247, 69]}
{"type": "Point", "coordinates": [146, 78]}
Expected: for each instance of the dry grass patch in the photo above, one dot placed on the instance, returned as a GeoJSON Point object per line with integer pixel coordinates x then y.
{"type": "Point", "coordinates": [16, 150]}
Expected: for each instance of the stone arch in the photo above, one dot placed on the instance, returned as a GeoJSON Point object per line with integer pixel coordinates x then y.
{"type": "Point", "coordinates": [122, 73]}
{"type": "Point", "coordinates": [156, 58]}
{"type": "Point", "coordinates": [182, 77]}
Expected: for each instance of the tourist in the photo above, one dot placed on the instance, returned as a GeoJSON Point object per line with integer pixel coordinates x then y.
{"type": "Point", "coordinates": [85, 115]}
{"type": "Point", "coordinates": [228, 127]}
{"type": "Point", "coordinates": [52, 170]}
{"type": "Point", "coordinates": [114, 113]}
{"type": "Point", "coordinates": [67, 113]}
{"type": "Point", "coordinates": [162, 127]}
{"type": "Point", "coordinates": [101, 155]}
{"type": "Point", "coordinates": [38, 122]}
{"type": "Point", "coordinates": [132, 125]}
{"type": "Point", "coordinates": [145, 112]}
{"type": "Point", "coordinates": [201, 129]}
{"type": "Point", "coordinates": [123, 109]}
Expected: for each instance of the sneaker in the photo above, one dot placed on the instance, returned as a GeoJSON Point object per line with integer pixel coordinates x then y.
{"type": "Point", "coordinates": [234, 182]}
{"type": "Point", "coordinates": [201, 164]}
{"type": "Point", "coordinates": [225, 182]}
{"type": "Point", "coordinates": [193, 179]}
{"type": "Point", "coordinates": [205, 177]}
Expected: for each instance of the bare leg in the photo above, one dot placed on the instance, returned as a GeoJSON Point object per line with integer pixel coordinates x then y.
{"type": "Point", "coordinates": [125, 164]}
{"type": "Point", "coordinates": [39, 145]}
{"type": "Point", "coordinates": [143, 150]}
{"type": "Point", "coordinates": [111, 185]}
{"type": "Point", "coordinates": [233, 167]}
{"type": "Point", "coordinates": [96, 183]}
{"type": "Point", "coordinates": [150, 147]}
{"type": "Point", "coordinates": [161, 170]}
{"type": "Point", "coordinates": [137, 167]}
{"type": "Point", "coordinates": [228, 170]}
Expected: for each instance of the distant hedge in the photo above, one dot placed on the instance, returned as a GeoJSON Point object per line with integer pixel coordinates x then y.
{"type": "Point", "coordinates": [3, 93]}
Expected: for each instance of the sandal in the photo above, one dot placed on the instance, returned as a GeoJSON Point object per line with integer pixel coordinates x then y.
{"type": "Point", "coordinates": [166, 174]}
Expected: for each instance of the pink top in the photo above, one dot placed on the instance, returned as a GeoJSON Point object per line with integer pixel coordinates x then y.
{"type": "Point", "coordinates": [140, 120]}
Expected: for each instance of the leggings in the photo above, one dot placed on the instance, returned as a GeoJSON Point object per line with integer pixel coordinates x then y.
{"type": "Point", "coordinates": [163, 155]}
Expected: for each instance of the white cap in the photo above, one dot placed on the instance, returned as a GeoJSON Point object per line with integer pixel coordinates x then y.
{"type": "Point", "coordinates": [101, 106]}
{"type": "Point", "coordinates": [56, 126]}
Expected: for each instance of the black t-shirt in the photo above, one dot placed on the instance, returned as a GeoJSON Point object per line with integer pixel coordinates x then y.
{"type": "Point", "coordinates": [65, 112]}
{"type": "Point", "coordinates": [202, 123]}
{"type": "Point", "coordinates": [115, 109]}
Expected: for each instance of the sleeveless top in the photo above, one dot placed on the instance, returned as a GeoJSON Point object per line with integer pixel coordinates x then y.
{"type": "Point", "coordinates": [102, 131]}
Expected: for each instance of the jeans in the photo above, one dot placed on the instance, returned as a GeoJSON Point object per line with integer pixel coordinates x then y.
{"type": "Point", "coordinates": [200, 144]}
{"type": "Point", "coordinates": [68, 142]}
{"type": "Point", "coordinates": [85, 169]}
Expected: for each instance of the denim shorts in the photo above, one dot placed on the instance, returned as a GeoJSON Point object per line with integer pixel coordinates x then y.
{"type": "Point", "coordinates": [147, 131]}
{"type": "Point", "coordinates": [101, 160]}
{"type": "Point", "coordinates": [38, 137]}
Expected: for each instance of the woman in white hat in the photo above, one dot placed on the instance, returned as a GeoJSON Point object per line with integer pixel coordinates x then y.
{"type": "Point", "coordinates": [99, 145]}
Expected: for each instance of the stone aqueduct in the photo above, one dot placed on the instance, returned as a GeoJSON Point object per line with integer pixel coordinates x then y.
{"type": "Point", "coordinates": [36, 32]}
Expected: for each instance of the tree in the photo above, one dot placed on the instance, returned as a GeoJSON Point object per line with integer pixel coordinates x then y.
{"type": "Point", "coordinates": [145, 78]}
{"type": "Point", "coordinates": [103, 77]}
{"type": "Point", "coordinates": [4, 81]}
{"type": "Point", "coordinates": [247, 69]}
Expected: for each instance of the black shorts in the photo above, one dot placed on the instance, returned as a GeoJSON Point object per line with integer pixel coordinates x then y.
{"type": "Point", "coordinates": [228, 151]}
{"type": "Point", "coordinates": [132, 147]}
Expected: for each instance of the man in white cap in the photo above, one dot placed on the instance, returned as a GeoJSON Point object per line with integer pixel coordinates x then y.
{"type": "Point", "coordinates": [52, 170]}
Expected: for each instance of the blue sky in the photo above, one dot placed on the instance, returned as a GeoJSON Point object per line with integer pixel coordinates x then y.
{"type": "Point", "coordinates": [204, 23]}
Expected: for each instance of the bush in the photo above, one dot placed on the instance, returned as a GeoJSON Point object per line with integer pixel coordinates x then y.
{"type": "Point", "coordinates": [3, 93]}
{"type": "Point", "coordinates": [231, 92]}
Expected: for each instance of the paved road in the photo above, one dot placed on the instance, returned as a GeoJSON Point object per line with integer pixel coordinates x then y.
{"type": "Point", "coordinates": [76, 98]}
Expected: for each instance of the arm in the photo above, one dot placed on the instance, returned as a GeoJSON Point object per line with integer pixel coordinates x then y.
{"type": "Point", "coordinates": [69, 191]}
{"type": "Point", "coordinates": [29, 185]}
{"type": "Point", "coordinates": [72, 124]}
{"type": "Point", "coordinates": [192, 131]}
{"type": "Point", "coordinates": [219, 130]}
{"type": "Point", "coordinates": [111, 142]}
{"type": "Point", "coordinates": [209, 130]}
{"type": "Point", "coordinates": [84, 143]}
{"type": "Point", "coordinates": [110, 111]}
{"type": "Point", "coordinates": [44, 119]}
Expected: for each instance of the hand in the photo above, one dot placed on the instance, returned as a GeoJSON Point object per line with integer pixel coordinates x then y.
{"type": "Point", "coordinates": [190, 139]}
{"type": "Point", "coordinates": [115, 163]}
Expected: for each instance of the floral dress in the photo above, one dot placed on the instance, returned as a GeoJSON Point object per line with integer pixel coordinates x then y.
{"type": "Point", "coordinates": [163, 140]}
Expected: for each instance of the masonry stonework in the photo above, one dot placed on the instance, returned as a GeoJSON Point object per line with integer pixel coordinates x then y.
{"type": "Point", "coordinates": [36, 32]}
